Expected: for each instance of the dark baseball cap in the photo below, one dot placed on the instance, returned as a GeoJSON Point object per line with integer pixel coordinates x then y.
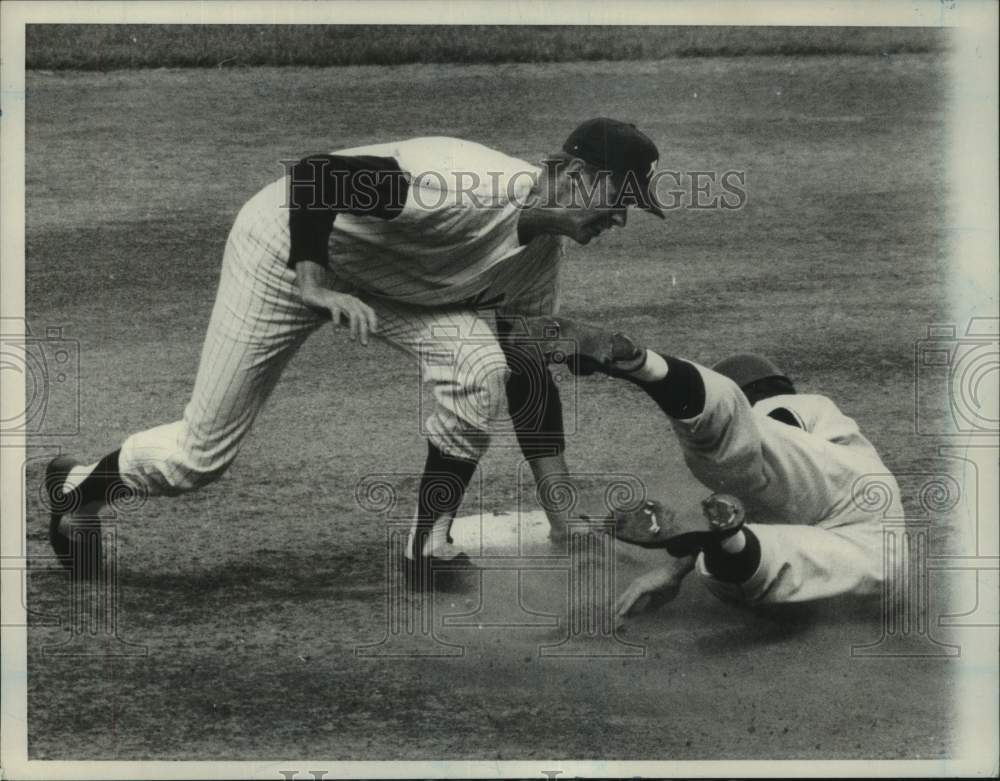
{"type": "Point", "coordinates": [625, 152]}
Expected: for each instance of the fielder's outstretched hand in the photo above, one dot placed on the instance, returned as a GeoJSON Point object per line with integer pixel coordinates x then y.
{"type": "Point", "coordinates": [653, 589]}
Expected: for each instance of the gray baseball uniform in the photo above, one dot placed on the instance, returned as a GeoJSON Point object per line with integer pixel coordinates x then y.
{"type": "Point", "coordinates": [798, 484]}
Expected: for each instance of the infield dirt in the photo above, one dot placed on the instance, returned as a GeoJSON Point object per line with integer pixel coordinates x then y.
{"type": "Point", "coordinates": [251, 595]}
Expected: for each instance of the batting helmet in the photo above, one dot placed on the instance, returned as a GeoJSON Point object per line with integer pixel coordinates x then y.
{"type": "Point", "coordinates": [757, 376]}
{"type": "Point", "coordinates": [744, 368]}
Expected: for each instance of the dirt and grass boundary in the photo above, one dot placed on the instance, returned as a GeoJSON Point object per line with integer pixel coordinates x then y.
{"type": "Point", "coordinates": [126, 46]}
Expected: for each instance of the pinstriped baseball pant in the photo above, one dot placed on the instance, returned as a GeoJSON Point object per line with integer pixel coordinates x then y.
{"type": "Point", "coordinates": [257, 324]}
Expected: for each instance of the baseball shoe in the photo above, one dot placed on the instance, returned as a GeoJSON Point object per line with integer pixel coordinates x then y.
{"type": "Point", "coordinates": [76, 541]}
{"type": "Point", "coordinates": [420, 574]}
{"type": "Point", "coordinates": [654, 525]}
{"type": "Point", "coordinates": [585, 348]}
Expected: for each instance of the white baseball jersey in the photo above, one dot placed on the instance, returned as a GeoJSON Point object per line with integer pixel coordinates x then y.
{"type": "Point", "coordinates": [456, 232]}
{"type": "Point", "coordinates": [798, 485]}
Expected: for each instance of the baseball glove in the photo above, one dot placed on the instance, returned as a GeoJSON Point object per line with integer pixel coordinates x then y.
{"type": "Point", "coordinates": [584, 348]}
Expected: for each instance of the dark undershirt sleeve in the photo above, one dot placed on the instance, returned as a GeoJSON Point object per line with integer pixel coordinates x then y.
{"type": "Point", "coordinates": [323, 186]}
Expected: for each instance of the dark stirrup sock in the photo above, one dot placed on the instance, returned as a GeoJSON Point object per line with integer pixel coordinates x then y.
{"type": "Point", "coordinates": [681, 394]}
{"type": "Point", "coordinates": [733, 567]}
{"type": "Point", "coordinates": [104, 482]}
{"type": "Point", "coordinates": [442, 489]}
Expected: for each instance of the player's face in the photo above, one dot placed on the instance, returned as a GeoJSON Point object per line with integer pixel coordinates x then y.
{"type": "Point", "coordinates": [584, 204]}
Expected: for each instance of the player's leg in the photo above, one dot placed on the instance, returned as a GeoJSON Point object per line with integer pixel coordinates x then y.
{"type": "Point", "coordinates": [528, 287]}
{"type": "Point", "coordinates": [257, 323]}
{"type": "Point", "coordinates": [781, 563]}
{"type": "Point", "coordinates": [770, 564]}
{"type": "Point", "coordinates": [463, 362]}
{"type": "Point", "coordinates": [256, 326]}
{"type": "Point", "coordinates": [536, 414]}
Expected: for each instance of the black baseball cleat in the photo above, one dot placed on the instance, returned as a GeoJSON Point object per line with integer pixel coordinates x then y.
{"type": "Point", "coordinates": [444, 574]}
{"type": "Point", "coordinates": [654, 525]}
{"type": "Point", "coordinates": [585, 348]}
{"type": "Point", "coordinates": [75, 541]}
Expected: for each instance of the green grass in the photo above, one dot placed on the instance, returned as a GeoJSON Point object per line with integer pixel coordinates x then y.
{"type": "Point", "coordinates": [110, 47]}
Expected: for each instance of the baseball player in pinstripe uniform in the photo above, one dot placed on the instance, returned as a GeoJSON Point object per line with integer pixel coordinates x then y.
{"type": "Point", "coordinates": [427, 243]}
{"type": "Point", "coordinates": [787, 463]}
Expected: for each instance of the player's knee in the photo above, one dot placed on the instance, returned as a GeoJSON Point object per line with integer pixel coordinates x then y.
{"type": "Point", "coordinates": [481, 400]}
{"type": "Point", "coordinates": [470, 381]}
{"type": "Point", "coordinates": [455, 437]}
{"type": "Point", "coordinates": [487, 390]}
{"type": "Point", "coordinates": [471, 399]}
